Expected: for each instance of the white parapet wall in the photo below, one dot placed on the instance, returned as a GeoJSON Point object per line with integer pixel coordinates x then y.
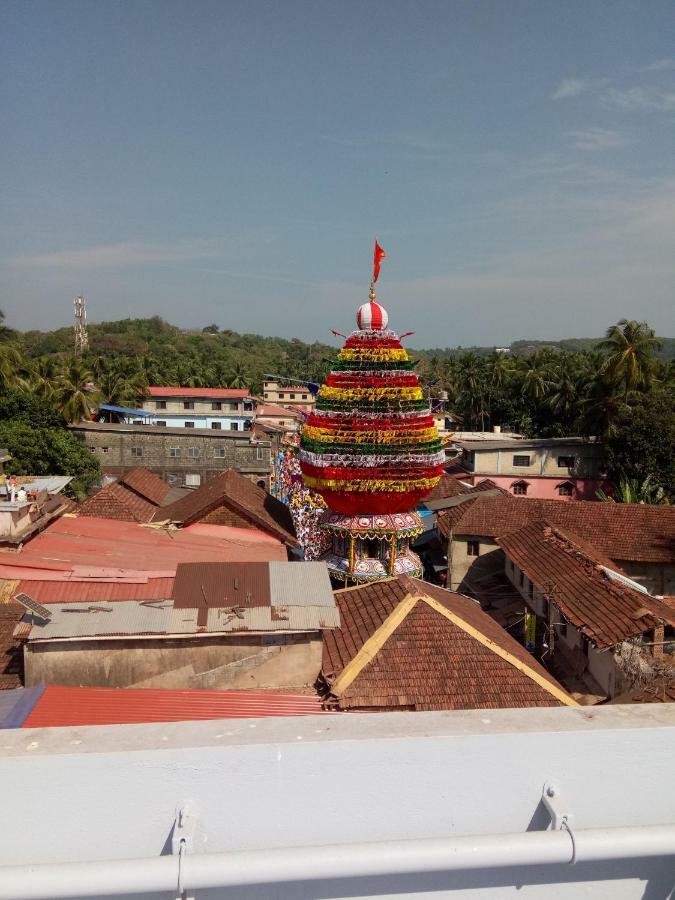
{"type": "Point", "coordinates": [109, 794]}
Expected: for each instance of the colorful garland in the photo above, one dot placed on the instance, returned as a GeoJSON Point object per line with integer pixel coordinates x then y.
{"type": "Point", "coordinates": [371, 446]}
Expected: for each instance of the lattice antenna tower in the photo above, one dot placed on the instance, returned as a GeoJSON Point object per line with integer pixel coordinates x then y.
{"type": "Point", "coordinates": [81, 336]}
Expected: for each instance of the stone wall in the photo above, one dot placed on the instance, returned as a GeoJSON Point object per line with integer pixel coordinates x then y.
{"type": "Point", "coordinates": [266, 661]}
{"type": "Point", "coordinates": [173, 453]}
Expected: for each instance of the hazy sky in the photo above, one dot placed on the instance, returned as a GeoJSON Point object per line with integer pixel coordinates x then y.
{"type": "Point", "coordinates": [232, 162]}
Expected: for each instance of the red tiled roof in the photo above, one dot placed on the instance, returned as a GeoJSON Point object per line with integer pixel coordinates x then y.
{"type": "Point", "coordinates": [146, 483]}
{"type": "Point", "coordinates": [113, 547]}
{"type": "Point", "coordinates": [75, 706]}
{"type": "Point", "coordinates": [271, 409]}
{"type": "Point", "coordinates": [428, 662]}
{"type": "Point", "coordinates": [606, 610]}
{"type": "Point", "coordinates": [116, 501]}
{"type": "Point", "coordinates": [96, 591]}
{"type": "Point", "coordinates": [231, 489]}
{"type": "Point", "coordinates": [620, 531]}
{"type": "Point", "coordinates": [198, 393]}
{"type": "Point", "coordinates": [453, 486]}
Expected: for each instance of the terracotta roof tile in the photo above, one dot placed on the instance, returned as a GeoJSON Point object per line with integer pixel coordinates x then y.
{"type": "Point", "coordinates": [198, 393]}
{"type": "Point", "coordinates": [144, 482]}
{"type": "Point", "coordinates": [116, 501]}
{"type": "Point", "coordinates": [620, 531]}
{"type": "Point", "coordinates": [428, 662]}
{"type": "Point", "coordinates": [234, 490]}
{"type": "Point", "coordinates": [11, 652]}
{"type": "Point", "coordinates": [605, 609]}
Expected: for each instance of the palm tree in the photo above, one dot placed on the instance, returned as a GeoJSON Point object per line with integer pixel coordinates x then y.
{"type": "Point", "coordinates": [630, 358]}
{"type": "Point", "coordinates": [119, 389]}
{"type": "Point", "coordinates": [602, 406]}
{"type": "Point", "coordinates": [11, 365]}
{"type": "Point", "coordinates": [635, 491]}
{"type": "Point", "coordinates": [535, 378]}
{"type": "Point", "coordinates": [77, 400]}
{"type": "Point", "coordinates": [237, 377]}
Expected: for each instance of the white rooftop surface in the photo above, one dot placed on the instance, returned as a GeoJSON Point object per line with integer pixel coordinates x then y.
{"type": "Point", "coordinates": [274, 784]}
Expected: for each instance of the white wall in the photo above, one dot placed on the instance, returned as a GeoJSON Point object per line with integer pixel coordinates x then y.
{"type": "Point", "coordinates": [111, 792]}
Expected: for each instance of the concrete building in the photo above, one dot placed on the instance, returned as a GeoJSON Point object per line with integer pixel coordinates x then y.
{"type": "Point", "coordinates": [598, 626]}
{"type": "Point", "coordinates": [281, 393]}
{"type": "Point", "coordinates": [225, 626]}
{"type": "Point", "coordinates": [36, 501]}
{"type": "Point", "coordinates": [222, 409]}
{"type": "Point", "coordinates": [182, 457]}
{"type": "Point", "coordinates": [290, 419]}
{"type": "Point", "coordinates": [550, 468]}
{"type": "Point", "coordinates": [640, 539]}
{"type": "Point", "coordinates": [515, 804]}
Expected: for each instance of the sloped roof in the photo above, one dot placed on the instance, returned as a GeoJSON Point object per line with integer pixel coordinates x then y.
{"type": "Point", "coordinates": [116, 501]}
{"type": "Point", "coordinates": [241, 494]}
{"type": "Point", "coordinates": [112, 549]}
{"type": "Point", "coordinates": [198, 393]}
{"type": "Point", "coordinates": [54, 706]}
{"type": "Point", "coordinates": [607, 610]}
{"type": "Point", "coordinates": [11, 654]}
{"type": "Point", "coordinates": [273, 409]}
{"type": "Point", "coordinates": [146, 483]}
{"type": "Point", "coordinates": [89, 591]}
{"type": "Point", "coordinates": [404, 643]}
{"type": "Point", "coordinates": [621, 531]}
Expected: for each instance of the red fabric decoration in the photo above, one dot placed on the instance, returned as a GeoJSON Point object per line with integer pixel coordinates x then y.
{"type": "Point", "coordinates": [378, 256]}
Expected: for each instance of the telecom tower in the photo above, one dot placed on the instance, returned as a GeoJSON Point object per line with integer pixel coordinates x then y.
{"type": "Point", "coordinates": [81, 336]}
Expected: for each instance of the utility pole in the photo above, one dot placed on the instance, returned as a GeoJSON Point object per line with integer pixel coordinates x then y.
{"type": "Point", "coordinates": [81, 336]}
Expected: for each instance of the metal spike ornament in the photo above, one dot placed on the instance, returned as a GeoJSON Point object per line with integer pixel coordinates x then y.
{"type": "Point", "coordinates": [371, 449]}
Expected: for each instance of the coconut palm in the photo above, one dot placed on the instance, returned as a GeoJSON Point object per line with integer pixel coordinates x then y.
{"type": "Point", "coordinates": [630, 347]}
{"type": "Point", "coordinates": [11, 365]}
{"type": "Point", "coordinates": [76, 398]}
{"type": "Point", "coordinates": [119, 389]}
{"type": "Point", "coordinates": [237, 377]}
{"type": "Point", "coordinates": [535, 377]}
{"type": "Point", "coordinates": [632, 490]}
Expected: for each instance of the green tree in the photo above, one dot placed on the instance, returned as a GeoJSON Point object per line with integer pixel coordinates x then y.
{"type": "Point", "coordinates": [76, 398]}
{"type": "Point", "coordinates": [630, 347]}
{"type": "Point", "coordinates": [634, 491]}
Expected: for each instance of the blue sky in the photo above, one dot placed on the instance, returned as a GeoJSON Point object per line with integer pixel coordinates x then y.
{"type": "Point", "coordinates": [232, 162]}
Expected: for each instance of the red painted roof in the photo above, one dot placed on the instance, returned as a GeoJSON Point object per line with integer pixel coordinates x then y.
{"type": "Point", "coordinates": [198, 393]}
{"type": "Point", "coordinates": [113, 549]}
{"type": "Point", "coordinates": [74, 706]}
{"type": "Point", "coordinates": [96, 591]}
{"type": "Point", "coordinates": [146, 483]}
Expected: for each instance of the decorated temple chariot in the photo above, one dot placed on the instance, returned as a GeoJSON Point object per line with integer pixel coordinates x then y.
{"type": "Point", "coordinates": [371, 450]}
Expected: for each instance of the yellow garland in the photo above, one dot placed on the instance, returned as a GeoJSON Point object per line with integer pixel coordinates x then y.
{"type": "Point", "coordinates": [370, 393]}
{"type": "Point", "coordinates": [327, 435]}
{"type": "Point", "coordinates": [384, 354]}
{"type": "Point", "coordinates": [372, 485]}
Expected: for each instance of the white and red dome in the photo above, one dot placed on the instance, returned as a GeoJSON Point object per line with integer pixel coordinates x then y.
{"type": "Point", "coordinates": [372, 317]}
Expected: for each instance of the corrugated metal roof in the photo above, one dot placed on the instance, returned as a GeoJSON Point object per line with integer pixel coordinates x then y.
{"type": "Point", "coordinates": [286, 618]}
{"type": "Point", "coordinates": [53, 484]}
{"type": "Point", "coordinates": [125, 617]}
{"type": "Point", "coordinates": [300, 584]}
{"type": "Point", "coordinates": [222, 584]}
{"type": "Point", "coordinates": [76, 706]}
{"type": "Point", "coordinates": [16, 705]}
{"type": "Point", "coordinates": [207, 393]}
{"type": "Point", "coordinates": [94, 591]}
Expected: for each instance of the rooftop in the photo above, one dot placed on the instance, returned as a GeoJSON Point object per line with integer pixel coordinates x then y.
{"type": "Point", "coordinates": [231, 489]}
{"type": "Point", "coordinates": [505, 443]}
{"type": "Point", "coordinates": [116, 501]}
{"type": "Point", "coordinates": [145, 483]}
{"type": "Point", "coordinates": [406, 644]}
{"type": "Point", "coordinates": [198, 393]}
{"type": "Point", "coordinates": [207, 598]}
{"type": "Point", "coordinates": [51, 706]}
{"type": "Point", "coordinates": [620, 531]}
{"type": "Point", "coordinates": [602, 605]}
{"type": "Point", "coordinates": [80, 545]}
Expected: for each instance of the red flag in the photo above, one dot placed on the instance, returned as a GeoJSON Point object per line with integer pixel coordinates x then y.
{"type": "Point", "coordinates": [377, 259]}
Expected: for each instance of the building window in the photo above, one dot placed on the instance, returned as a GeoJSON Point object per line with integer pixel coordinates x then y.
{"type": "Point", "coordinates": [566, 489]}
{"type": "Point", "coordinates": [234, 407]}
{"type": "Point", "coordinates": [520, 488]}
{"type": "Point", "coordinates": [216, 405]}
{"type": "Point", "coordinates": [291, 396]}
{"type": "Point", "coordinates": [281, 396]}
{"type": "Point", "coordinates": [188, 404]}
{"type": "Point", "coordinates": [521, 460]}
{"type": "Point", "coordinates": [566, 462]}
{"type": "Point", "coordinates": [259, 453]}
{"type": "Point", "coordinates": [265, 395]}
{"type": "Point", "coordinates": [472, 548]}
{"type": "Point", "coordinates": [304, 396]}
{"type": "Point", "coordinates": [137, 422]}
{"type": "Point", "coordinates": [192, 479]}
{"type": "Point", "coordinates": [234, 426]}
{"type": "Point", "coordinates": [137, 451]}
{"type": "Point", "coordinates": [189, 424]}
{"type": "Point", "coordinates": [219, 453]}
{"type": "Point", "coordinates": [161, 424]}
{"type": "Point", "coordinates": [160, 404]}
{"type": "Point", "coordinates": [105, 449]}
{"type": "Point", "coordinates": [193, 452]}
{"type": "Point", "coordinates": [174, 452]}
{"type": "Point", "coordinates": [216, 426]}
